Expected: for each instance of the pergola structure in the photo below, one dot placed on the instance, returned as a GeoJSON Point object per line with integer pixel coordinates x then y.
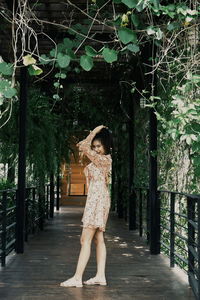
{"type": "Point", "coordinates": [50, 14]}
{"type": "Point", "coordinates": [48, 22]}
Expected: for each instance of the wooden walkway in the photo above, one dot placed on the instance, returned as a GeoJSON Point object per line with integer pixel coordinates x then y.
{"type": "Point", "coordinates": [50, 257]}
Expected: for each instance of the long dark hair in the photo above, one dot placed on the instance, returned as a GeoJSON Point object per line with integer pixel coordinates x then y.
{"type": "Point", "coordinates": [105, 137]}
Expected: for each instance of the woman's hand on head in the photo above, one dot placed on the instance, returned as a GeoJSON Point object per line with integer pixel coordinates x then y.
{"type": "Point", "coordinates": [79, 144]}
{"type": "Point", "coordinates": [98, 128]}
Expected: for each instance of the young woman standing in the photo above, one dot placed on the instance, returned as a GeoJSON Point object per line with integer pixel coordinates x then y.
{"type": "Point", "coordinates": [97, 147]}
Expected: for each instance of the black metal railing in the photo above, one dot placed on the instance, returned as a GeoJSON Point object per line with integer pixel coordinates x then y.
{"type": "Point", "coordinates": [37, 210]}
{"type": "Point", "coordinates": [179, 227]}
{"type": "Point", "coordinates": [7, 223]}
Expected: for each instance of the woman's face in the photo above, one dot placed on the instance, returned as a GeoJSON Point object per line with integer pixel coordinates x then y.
{"type": "Point", "coordinates": [98, 147]}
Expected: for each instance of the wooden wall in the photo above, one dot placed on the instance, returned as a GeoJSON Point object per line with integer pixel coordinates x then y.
{"type": "Point", "coordinates": [73, 182]}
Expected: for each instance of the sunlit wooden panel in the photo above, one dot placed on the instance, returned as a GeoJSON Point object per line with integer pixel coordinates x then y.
{"type": "Point", "coordinates": [77, 189]}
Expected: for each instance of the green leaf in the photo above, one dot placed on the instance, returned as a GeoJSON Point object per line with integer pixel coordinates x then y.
{"type": "Point", "coordinates": [6, 90]}
{"type": "Point", "coordinates": [134, 48]}
{"type": "Point", "coordinates": [63, 76]}
{"type": "Point", "coordinates": [56, 97]}
{"type": "Point", "coordinates": [4, 84]}
{"type": "Point", "coordinates": [171, 7]}
{"type": "Point", "coordinates": [117, 1]}
{"type": "Point", "coordinates": [117, 21]}
{"type": "Point", "coordinates": [110, 55]}
{"type": "Point", "coordinates": [173, 26]}
{"type": "Point", "coordinates": [57, 75]}
{"type": "Point", "coordinates": [70, 53]}
{"type": "Point", "coordinates": [135, 20]}
{"type": "Point", "coordinates": [71, 32]}
{"type": "Point", "coordinates": [10, 92]}
{"type": "Point", "coordinates": [130, 3]}
{"type": "Point", "coordinates": [6, 69]}
{"type": "Point", "coordinates": [86, 62]}
{"type": "Point", "coordinates": [60, 47]}
{"type": "Point", "coordinates": [156, 4]}
{"type": "Point", "coordinates": [90, 51]}
{"type": "Point", "coordinates": [56, 84]}
{"type": "Point", "coordinates": [53, 53]}
{"type": "Point", "coordinates": [141, 5]}
{"type": "Point", "coordinates": [77, 70]}
{"type": "Point", "coordinates": [44, 59]}
{"type": "Point", "coordinates": [127, 35]}
{"type": "Point", "coordinates": [34, 70]}
{"type": "Point", "coordinates": [68, 43]}
{"type": "Point", "coordinates": [63, 60]}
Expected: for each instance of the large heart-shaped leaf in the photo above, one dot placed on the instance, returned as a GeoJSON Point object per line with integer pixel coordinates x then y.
{"type": "Point", "coordinates": [63, 60]}
{"type": "Point", "coordinates": [134, 48]}
{"type": "Point", "coordinates": [135, 20]}
{"type": "Point", "coordinates": [127, 35]}
{"type": "Point", "coordinates": [130, 3]}
{"type": "Point", "coordinates": [90, 51]}
{"type": "Point", "coordinates": [70, 53]}
{"type": "Point", "coordinates": [6, 69]}
{"type": "Point", "coordinates": [110, 55]}
{"type": "Point", "coordinates": [86, 62]}
{"type": "Point", "coordinates": [68, 43]}
{"type": "Point", "coordinates": [10, 92]}
{"type": "Point", "coordinates": [4, 84]}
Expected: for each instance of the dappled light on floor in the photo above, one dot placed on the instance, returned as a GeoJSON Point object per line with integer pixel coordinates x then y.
{"type": "Point", "coordinates": [51, 256]}
{"type": "Point", "coordinates": [127, 254]}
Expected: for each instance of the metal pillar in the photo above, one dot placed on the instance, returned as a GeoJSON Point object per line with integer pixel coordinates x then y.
{"type": "Point", "coordinates": [20, 201]}
{"type": "Point", "coordinates": [153, 195]}
{"type": "Point", "coordinates": [51, 196]}
{"type": "Point", "coordinates": [132, 198]}
{"type": "Point", "coordinates": [58, 193]}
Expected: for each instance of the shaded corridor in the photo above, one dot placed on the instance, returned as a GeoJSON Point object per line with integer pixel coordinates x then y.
{"type": "Point", "coordinates": [51, 255]}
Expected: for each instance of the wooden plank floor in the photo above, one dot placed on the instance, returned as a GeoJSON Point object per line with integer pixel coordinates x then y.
{"type": "Point", "coordinates": [50, 257]}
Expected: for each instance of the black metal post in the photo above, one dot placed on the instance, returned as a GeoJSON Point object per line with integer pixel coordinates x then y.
{"type": "Point", "coordinates": [132, 196]}
{"type": "Point", "coordinates": [41, 203]}
{"type": "Point", "coordinates": [20, 203]}
{"type": "Point", "coordinates": [47, 201]}
{"type": "Point", "coordinates": [51, 196]}
{"type": "Point", "coordinates": [113, 190]}
{"type": "Point", "coordinates": [27, 191]}
{"type": "Point", "coordinates": [154, 199]}
{"type": "Point", "coordinates": [4, 225]}
{"type": "Point", "coordinates": [191, 239]}
{"type": "Point", "coordinates": [58, 193]}
{"type": "Point", "coordinates": [140, 212]}
{"type": "Point", "coordinates": [148, 216]}
{"type": "Point", "coordinates": [33, 217]}
{"type": "Point", "coordinates": [172, 228]}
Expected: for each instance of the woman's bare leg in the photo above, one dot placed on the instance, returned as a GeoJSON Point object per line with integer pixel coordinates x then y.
{"type": "Point", "coordinates": [100, 255]}
{"type": "Point", "coordinates": [86, 239]}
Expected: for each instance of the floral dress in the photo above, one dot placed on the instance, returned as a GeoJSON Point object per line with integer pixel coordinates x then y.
{"type": "Point", "coordinates": [98, 174]}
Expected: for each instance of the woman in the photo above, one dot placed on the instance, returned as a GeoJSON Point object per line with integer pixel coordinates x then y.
{"type": "Point", "coordinates": [98, 174]}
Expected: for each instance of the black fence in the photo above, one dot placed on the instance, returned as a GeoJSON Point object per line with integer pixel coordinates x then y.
{"type": "Point", "coordinates": [37, 210]}
{"type": "Point", "coordinates": [179, 227]}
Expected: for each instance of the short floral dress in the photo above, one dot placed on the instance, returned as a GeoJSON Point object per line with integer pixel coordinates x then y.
{"type": "Point", "coordinates": [98, 176]}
